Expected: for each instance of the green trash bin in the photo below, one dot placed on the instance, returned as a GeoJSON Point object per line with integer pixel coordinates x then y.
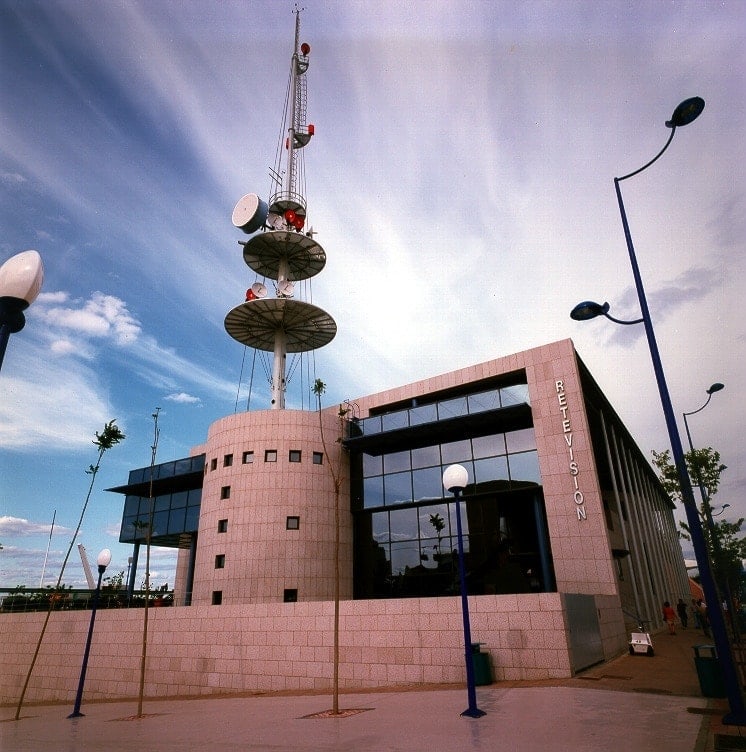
{"type": "Point", "coordinates": [481, 662]}
{"type": "Point", "coordinates": [709, 672]}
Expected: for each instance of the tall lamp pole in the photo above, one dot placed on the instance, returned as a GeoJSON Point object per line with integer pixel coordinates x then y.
{"type": "Point", "coordinates": [705, 496]}
{"type": "Point", "coordinates": [104, 559]}
{"type": "Point", "coordinates": [684, 114]}
{"type": "Point", "coordinates": [21, 277]}
{"type": "Point", "coordinates": [455, 479]}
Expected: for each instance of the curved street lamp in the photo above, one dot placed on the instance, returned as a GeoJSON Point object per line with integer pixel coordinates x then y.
{"type": "Point", "coordinates": [103, 561]}
{"type": "Point", "coordinates": [21, 277]}
{"type": "Point", "coordinates": [455, 480]}
{"type": "Point", "coordinates": [589, 310]}
{"type": "Point", "coordinates": [684, 114]}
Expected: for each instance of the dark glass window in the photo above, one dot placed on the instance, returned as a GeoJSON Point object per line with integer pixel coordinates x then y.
{"type": "Point", "coordinates": [427, 483]}
{"type": "Point", "coordinates": [452, 408]}
{"type": "Point", "coordinates": [294, 455]}
{"type": "Point", "coordinates": [318, 458]}
{"type": "Point", "coordinates": [423, 414]}
{"type": "Point", "coordinates": [392, 421]}
{"type": "Point", "coordinates": [524, 468]}
{"type": "Point", "coordinates": [398, 488]}
{"type": "Point", "coordinates": [247, 458]}
{"type": "Point", "coordinates": [403, 524]}
{"type": "Point", "coordinates": [428, 456]}
{"type": "Point", "coordinates": [396, 462]}
{"type": "Point", "coordinates": [227, 460]}
{"type": "Point", "coordinates": [373, 491]}
{"type": "Point", "coordinates": [490, 470]}
{"type": "Point", "coordinates": [380, 526]}
{"type": "Point", "coordinates": [217, 597]}
{"type": "Point", "coordinates": [225, 492]}
{"type": "Point", "coordinates": [372, 465]}
{"type": "Point", "coordinates": [219, 561]}
{"type": "Point", "coordinates": [222, 526]}
{"type": "Point", "coordinates": [484, 401]}
{"type": "Point", "coordinates": [290, 595]}
{"type": "Point", "coordinates": [520, 441]}
{"type": "Point", "coordinates": [270, 455]}
{"type": "Point", "coordinates": [214, 463]}
{"type": "Point", "coordinates": [292, 523]}
{"type": "Point", "coordinates": [488, 446]}
{"type": "Point", "coordinates": [456, 451]}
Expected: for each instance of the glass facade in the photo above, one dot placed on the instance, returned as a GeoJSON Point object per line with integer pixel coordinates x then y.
{"type": "Point", "coordinates": [405, 522]}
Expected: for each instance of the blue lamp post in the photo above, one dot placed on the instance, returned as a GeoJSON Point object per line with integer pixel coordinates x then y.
{"type": "Point", "coordinates": [684, 114]}
{"type": "Point", "coordinates": [455, 479]}
{"type": "Point", "coordinates": [21, 277]}
{"type": "Point", "coordinates": [103, 561]}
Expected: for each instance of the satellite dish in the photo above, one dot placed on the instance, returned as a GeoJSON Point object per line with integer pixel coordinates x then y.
{"type": "Point", "coordinates": [250, 213]}
{"type": "Point", "coordinates": [256, 292]}
{"type": "Point", "coordinates": [285, 288]}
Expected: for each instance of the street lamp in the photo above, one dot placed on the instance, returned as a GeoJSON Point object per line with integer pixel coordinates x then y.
{"type": "Point", "coordinates": [21, 277]}
{"type": "Point", "coordinates": [705, 496]}
{"type": "Point", "coordinates": [103, 561]}
{"type": "Point", "coordinates": [684, 114]}
{"type": "Point", "coordinates": [455, 479]}
{"type": "Point", "coordinates": [722, 509]}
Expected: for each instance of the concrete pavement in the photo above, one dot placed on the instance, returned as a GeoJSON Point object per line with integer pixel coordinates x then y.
{"type": "Point", "coordinates": [633, 703]}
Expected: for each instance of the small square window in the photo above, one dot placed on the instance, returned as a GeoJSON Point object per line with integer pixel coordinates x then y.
{"type": "Point", "coordinates": [290, 595]}
{"type": "Point", "coordinates": [227, 460]}
{"type": "Point", "coordinates": [270, 455]}
{"type": "Point", "coordinates": [220, 561]}
{"type": "Point", "coordinates": [294, 455]}
{"type": "Point", "coordinates": [248, 458]}
{"type": "Point", "coordinates": [214, 463]}
{"type": "Point", "coordinates": [225, 492]}
{"type": "Point", "coordinates": [222, 526]}
{"type": "Point", "coordinates": [217, 597]}
{"type": "Point", "coordinates": [318, 458]}
{"type": "Point", "coordinates": [292, 523]}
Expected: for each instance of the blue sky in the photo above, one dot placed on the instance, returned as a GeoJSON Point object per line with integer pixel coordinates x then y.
{"type": "Point", "coordinates": [460, 182]}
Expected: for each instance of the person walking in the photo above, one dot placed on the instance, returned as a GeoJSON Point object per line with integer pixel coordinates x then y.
{"type": "Point", "coordinates": [682, 612]}
{"type": "Point", "coordinates": [669, 616]}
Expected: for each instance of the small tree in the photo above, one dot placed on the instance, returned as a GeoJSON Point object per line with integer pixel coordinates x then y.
{"type": "Point", "coordinates": [319, 387]}
{"type": "Point", "coordinates": [108, 438]}
{"type": "Point", "coordinates": [724, 546]}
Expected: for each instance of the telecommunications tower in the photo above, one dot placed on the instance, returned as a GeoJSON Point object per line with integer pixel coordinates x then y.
{"type": "Point", "coordinates": [282, 249]}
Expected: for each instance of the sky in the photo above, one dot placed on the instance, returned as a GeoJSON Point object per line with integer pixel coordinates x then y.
{"type": "Point", "coordinates": [460, 181]}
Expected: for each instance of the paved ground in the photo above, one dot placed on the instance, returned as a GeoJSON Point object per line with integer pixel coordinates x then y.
{"type": "Point", "coordinates": [634, 703]}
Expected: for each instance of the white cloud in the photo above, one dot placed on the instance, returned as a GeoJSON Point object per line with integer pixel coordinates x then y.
{"type": "Point", "coordinates": [101, 316]}
{"type": "Point", "coordinates": [184, 398]}
{"type": "Point", "coordinates": [12, 526]}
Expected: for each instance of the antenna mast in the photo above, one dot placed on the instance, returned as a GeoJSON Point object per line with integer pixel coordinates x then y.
{"type": "Point", "coordinates": [282, 251]}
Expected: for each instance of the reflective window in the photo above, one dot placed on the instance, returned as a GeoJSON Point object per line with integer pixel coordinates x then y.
{"type": "Point", "coordinates": [403, 524]}
{"type": "Point", "coordinates": [396, 462]}
{"type": "Point", "coordinates": [398, 488]}
{"type": "Point", "coordinates": [426, 456]}
{"type": "Point", "coordinates": [488, 446]}
{"type": "Point", "coordinates": [490, 470]}
{"type": "Point", "coordinates": [524, 468]}
{"type": "Point", "coordinates": [372, 465]}
{"type": "Point", "coordinates": [484, 401]}
{"type": "Point", "coordinates": [179, 499]}
{"type": "Point", "coordinates": [452, 408]}
{"type": "Point", "coordinates": [456, 451]}
{"type": "Point", "coordinates": [427, 483]}
{"type": "Point", "coordinates": [404, 556]}
{"type": "Point", "coordinates": [520, 441]}
{"type": "Point", "coordinates": [380, 525]}
{"type": "Point", "coordinates": [392, 421]}
{"type": "Point", "coordinates": [373, 491]}
{"type": "Point", "coordinates": [423, 414]}
{"type": "Point", "coordinates": [514, 395]}
{"type": "Point", "coordinates": [176, 520]}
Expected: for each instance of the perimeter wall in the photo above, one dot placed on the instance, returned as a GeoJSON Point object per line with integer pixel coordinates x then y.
{"type": "Point", "coordinates": [202, 650]}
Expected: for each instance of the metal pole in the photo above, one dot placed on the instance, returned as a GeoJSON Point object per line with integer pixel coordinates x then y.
{"type": "Point", "coordinates": [79, 696]}
{"type": "Point", "coordinates": [737, 715]}
{"type": "Point", "coordinates": [472, 711]}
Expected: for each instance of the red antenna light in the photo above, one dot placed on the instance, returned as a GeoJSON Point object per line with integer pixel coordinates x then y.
{"type": "Point", "coordinates": [305, 48]}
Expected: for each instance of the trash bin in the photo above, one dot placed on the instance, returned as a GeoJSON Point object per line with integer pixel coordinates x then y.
{"type": "Point", "coordinates": [709, 672]}
{"type": "Point", "coordinates": [480, 660]}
